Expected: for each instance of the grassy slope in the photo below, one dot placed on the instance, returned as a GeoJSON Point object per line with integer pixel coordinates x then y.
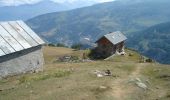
{"type": "Point", "coordinates": [76, 81]}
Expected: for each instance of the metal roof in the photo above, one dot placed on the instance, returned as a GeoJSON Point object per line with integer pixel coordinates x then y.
{"type": "Point", "coordinates": [115, 37]}
{"type": "Point", "coordinates": [16, 36]}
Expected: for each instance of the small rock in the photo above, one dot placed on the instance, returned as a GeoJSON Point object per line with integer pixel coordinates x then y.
{"type": "Point", "coordinates": [102, 87]}
{"type": "Point", "coordinates": [141, 85]}
{"type": "Point", "coordinates": [108, 73]}
{"type": "Point", "coordinates": [99, 75]}
{"type": "Point", "coordinates": [148, 82]}
{"type": "Point", "coordinates": [138, 79]}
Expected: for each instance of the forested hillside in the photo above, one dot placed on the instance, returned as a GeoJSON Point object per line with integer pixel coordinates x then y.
{"type": "Point", "coordinates": [87, 24]}
{"type": "Point", "coordinates": [91, 22]}
{"type": "Point", "coordinates": [153, 42]}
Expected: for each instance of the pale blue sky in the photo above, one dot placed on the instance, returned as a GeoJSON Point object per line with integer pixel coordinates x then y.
{"type": "Point", "coordinates": [20, 2]}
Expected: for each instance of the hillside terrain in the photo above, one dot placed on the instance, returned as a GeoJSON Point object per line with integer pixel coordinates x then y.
{"type": "Point", "coordinates": [92, 22]}
{"type": "Point", "coordinates": [86, 25]}
{"type": "Point", "coordinates": [153, 42]}
{"type": "Point", "coordinates": [78, 80]}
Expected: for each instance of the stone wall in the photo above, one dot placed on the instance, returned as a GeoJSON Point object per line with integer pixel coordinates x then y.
{"type": "Point", "coordinates": [29, 60]}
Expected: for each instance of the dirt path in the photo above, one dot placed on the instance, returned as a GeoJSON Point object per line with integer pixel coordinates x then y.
{"type": "Point", "coordinates": [119, 90]}
{"type": "Point", "coordinates": [136, 72]}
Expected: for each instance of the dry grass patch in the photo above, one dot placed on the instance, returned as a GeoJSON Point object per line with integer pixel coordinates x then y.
{"type": "Point", "coordinates": [77, 81]}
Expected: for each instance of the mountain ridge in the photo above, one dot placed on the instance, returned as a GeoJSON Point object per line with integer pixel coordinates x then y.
{"type": "Point", "coordinates": [73, 27]}
{"type": "Point", "coordinates": [100, 19]}
{"type": "Point", "coordinates": [27, 11]}
{"type": "Point", "coordinates": [153, 42]}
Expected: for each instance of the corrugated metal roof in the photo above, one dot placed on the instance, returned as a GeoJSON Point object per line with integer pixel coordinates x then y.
{"type": "Point", "coordinates": [115, 37]}
{"type": "Point", "coordinates": [1, 52]}
{"type": "Point", "coordinates": [16, 36]}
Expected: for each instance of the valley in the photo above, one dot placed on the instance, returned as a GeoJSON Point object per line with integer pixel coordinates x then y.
{"type": "Point", "coordinates": [86, 25]}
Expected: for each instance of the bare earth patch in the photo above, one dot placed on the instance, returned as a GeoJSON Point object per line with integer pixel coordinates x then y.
{"type": "Point", "coordinates": [76, 81]}
{"type": "Point", "coordinates": [120, 91]}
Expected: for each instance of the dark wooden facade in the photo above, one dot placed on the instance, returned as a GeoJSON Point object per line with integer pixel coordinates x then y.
{"type": "Point", "coordinates": [105, 48]}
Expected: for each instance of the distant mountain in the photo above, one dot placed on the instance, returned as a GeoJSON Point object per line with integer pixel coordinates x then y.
{"type": "Point", "coordinates": [89, 23]}
{"type": "Point", "coordinates": [92, 22]}
{"type": "Point", "coordinates": [27, 11]}
{"type": "Point", "coordinates": [153, 42]}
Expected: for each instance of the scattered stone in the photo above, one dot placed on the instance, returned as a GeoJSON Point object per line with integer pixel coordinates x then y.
{"type": "Point", "coordinates": [131, 80]}
{"type": "Point", "coordinates": [148, 82]}
{"type": "Point", "coordinates": [123, 53]}
{"type": "Point", "coordinates": [71, 58]}
{"type": "Point", "coordinates": [138, 79]}
{"type": "Point", "coordinates": [102, 73]}
{"type": "Point", "coordinates": [108, 73]}
{"type": "Point", "coordinates": [86, 60]}
{"type": "Point", "coordinates": [141, 85]}
{"type": "Point", "coordinates": [68, 59]}
{"type": "Point", "coordinates": [97, 71]}
{"type": "Point", "coordinates": [99, 75]}
{"type": "Point", "coordinates": [103, 87]}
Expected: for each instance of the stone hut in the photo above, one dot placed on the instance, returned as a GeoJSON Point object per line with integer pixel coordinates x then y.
{"type": "Point", "coordinates": [20, 49]}
{"type": "Point", "coordinates": [110, 44]}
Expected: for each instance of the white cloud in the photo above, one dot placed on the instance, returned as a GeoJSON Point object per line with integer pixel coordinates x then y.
{"type": "Point", "coordinates": [72, 1]}
{"type": "Point", "coordinates": [20, 2]}
{"type": "Point", "coordinates": [104, 0]}
{"type": "Point", "coordinates": [17, 2]}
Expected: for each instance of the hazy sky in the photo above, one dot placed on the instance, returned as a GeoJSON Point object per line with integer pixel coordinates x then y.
{"type": "Point", "coordinates": [20, 2]}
